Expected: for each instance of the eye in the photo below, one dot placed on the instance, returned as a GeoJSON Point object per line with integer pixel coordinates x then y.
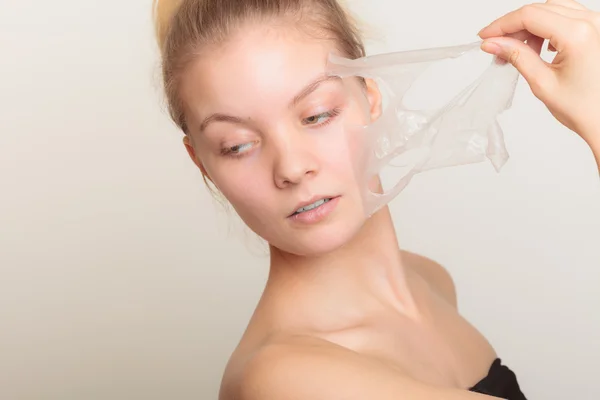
{"type": "Point", "coordinates": [237, 149]}
{"type": "Point", "coordinates": [320, 119]}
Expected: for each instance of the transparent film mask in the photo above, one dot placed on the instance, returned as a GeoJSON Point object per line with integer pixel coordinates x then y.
{"type": "Point", "coordinates": [440, 109]}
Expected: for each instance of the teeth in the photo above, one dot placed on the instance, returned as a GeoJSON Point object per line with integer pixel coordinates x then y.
{"type": "Point", "coordinates": [312, 206]}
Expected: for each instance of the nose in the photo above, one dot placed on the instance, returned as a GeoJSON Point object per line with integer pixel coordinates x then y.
{"type": "Point", "coordinates": [294, 163]}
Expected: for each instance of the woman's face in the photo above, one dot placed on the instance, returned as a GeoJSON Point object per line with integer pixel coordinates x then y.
{"type": "Point", "coordinates": [267, 128]}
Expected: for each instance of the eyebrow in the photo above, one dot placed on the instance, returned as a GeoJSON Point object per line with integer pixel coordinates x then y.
{"type": "Point", "coordinates": [310, 88]}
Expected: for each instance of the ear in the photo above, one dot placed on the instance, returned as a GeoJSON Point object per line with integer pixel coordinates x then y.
{"type": "Point", "coordinates": [192, 153]}
{"type": "Point", "coordinates": [375, 99]}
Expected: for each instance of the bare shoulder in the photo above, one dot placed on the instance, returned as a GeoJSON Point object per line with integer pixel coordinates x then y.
{"type": "Point", "coordinates": [435, 274]}
{"type": "Point", "coordinates": [310, 368]}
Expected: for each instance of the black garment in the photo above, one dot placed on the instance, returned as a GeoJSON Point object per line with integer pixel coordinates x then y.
{"type": "Point", "coordinates": [500, 382]}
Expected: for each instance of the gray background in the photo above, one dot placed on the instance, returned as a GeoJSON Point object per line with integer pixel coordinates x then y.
{"type": "Point", "coordinates": [120, 277]}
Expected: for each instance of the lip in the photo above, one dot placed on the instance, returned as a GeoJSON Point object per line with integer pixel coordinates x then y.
{"type": "Point", "coordinates": [312, 200]}
{"type": "Point", "coordinates": [317, 214]}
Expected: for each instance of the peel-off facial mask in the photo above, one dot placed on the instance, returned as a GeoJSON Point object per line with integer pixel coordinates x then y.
{"type": "Point", "coordinates": [437, 112]}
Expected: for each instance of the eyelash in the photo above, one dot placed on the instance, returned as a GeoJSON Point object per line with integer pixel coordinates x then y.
{"type": "Point", "coordinates": [231, 152]}
{"type": "Point", "coordinates": [331, 115]}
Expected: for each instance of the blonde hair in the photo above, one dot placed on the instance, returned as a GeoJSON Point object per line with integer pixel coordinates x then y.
{"type": "Point", "coordinates": [184, 27]}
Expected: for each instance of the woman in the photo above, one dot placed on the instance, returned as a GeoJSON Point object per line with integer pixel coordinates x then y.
{"type": "Point", "coordinates": [345, 313]}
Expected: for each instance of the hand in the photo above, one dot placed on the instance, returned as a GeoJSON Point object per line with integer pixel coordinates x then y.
{"type": "Point", "coordinates": [570, 85]}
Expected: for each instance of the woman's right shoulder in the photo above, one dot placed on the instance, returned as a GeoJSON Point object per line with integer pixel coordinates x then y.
{"type": "Point", "coordinates": [251, 368]}
{"type": "Point", "coordinates": [306, 368]}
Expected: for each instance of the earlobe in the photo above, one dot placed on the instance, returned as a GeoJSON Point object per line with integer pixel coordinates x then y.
{"type": "Point", "coordinates": [375, 99]}
{"type": "Point", "coordinates": [192, 153]}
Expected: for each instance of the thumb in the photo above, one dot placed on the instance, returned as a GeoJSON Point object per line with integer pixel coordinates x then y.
{"type": "Point", "coordinates": [525, 59]}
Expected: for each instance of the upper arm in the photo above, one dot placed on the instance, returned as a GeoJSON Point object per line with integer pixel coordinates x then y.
{"type": "Point", "coordinates": [315, 373]}
{"type": "Point", "coordinates": [435, 274]}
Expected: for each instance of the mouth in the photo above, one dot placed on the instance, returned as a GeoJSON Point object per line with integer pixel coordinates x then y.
{"type": "Point", "coordinates": [314, 210]}
{"type": "Point", "coordinates": [312, 206]}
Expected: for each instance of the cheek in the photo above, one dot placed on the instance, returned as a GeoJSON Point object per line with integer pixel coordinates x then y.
{"type": "Point", "coordinates": [349, 155]}
{"type": "Point", "coordinates": [340, 163]}
{"type": "Point", "coordinates": [245, 188]}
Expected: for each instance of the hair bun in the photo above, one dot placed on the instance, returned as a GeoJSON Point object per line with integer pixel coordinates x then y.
{"type": "Point", "coordinates": [163, 11]}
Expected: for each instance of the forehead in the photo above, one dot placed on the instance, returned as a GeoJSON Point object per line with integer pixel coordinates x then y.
{"type": "Point", "coordinates": [258, 64]}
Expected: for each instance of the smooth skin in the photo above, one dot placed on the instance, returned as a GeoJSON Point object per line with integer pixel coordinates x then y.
{"type": "Point", "coordinates": [368, 321]}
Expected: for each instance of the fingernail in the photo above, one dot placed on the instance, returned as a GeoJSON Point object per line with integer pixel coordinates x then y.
{"type": "Point", "coordinates": [491, 47]}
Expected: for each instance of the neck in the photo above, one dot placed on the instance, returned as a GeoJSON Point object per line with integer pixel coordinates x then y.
{"type": "Point", "coordinates": [341, 288]}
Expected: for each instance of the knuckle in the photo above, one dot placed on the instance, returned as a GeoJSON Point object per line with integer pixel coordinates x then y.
{"type": "Point", "coordinates": [528, 9]}
{"type": "Point", "coordinates": [527, 12]}
{"type": "Point", "coordinates": [514, 57]}
{"type": "Point", "coordinates": [583, 31]}
{"type": "Point", "coordinates": [596, 21]}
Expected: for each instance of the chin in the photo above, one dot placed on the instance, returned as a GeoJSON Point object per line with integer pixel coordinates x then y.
{"type": "Point", "coordinates": [319, 240]}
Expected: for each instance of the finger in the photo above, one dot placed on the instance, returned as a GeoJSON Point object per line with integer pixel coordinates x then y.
{"type": "Point", "coordinates": [562, 7]}
{"type": "Point", "coordinates": [563, 10]}
{"type": "Point", "coordinates": [532, 41]}
{"type": "Point", "coordinates": [536, 20]}
{"type": "Point", "coordinates": [525, 59]}
{"type": "Point", "coordinates": [520, 36]}
{"type": "Point", "coordinates": [536, 43]}
{"type": "Point", "coordinates": [572, 12]}
{"type": "Point", "coordinates": [568, 3]}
